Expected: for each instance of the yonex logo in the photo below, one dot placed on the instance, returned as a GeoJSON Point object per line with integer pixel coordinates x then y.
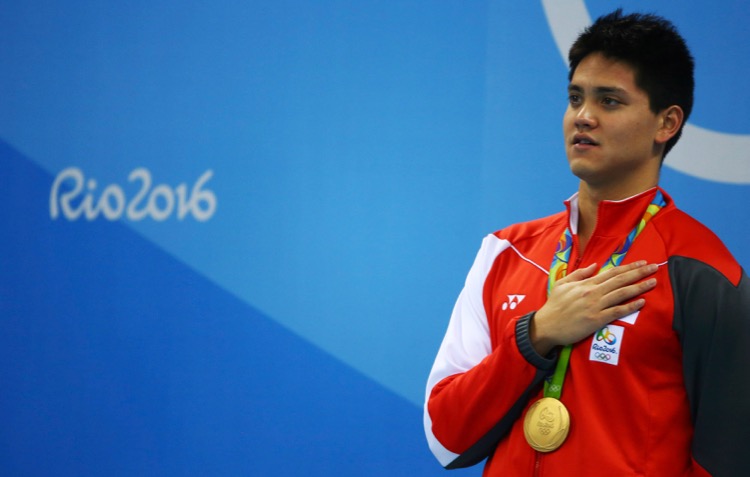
{"type": "Point", "coordinates": [512, 302]}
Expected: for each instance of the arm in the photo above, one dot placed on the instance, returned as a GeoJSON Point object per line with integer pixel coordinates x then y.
{"type": "Point", "coordinates": [712, 318]}
{"type": "Point", "coordinates": [475, 393]}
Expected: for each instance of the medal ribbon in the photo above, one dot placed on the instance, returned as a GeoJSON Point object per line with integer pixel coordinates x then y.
{"type": "Point", "coordinates": [559, 268]}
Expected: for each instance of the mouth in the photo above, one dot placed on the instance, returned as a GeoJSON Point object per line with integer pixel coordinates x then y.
{"type": "Point", "coordinates": [582, 140]}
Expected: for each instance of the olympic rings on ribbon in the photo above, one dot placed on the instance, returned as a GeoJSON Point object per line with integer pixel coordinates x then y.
{"type": "Point", "coordinates": [602, 356]}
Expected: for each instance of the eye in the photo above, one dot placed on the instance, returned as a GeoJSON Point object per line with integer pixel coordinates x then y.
{"type": "Point", "coordinates": [607, 101]}
{"type": "Point", "coordinates": [574, 99]}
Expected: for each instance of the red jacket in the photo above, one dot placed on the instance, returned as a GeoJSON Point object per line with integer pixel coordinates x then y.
{"type": "Point", "coordinates": [669, 397]}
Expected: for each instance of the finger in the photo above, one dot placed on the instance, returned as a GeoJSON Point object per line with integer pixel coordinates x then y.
{"type": "Point", "coordinates": [621, 311]}
{"type": "Point", "coordinates": [580, 274]}
{"type": "Point", "coordinates": [617, 271]}
{"type": "Point", "coordinates": [624, 294]}
{"type": "Point", "coordinates": [622, 277]}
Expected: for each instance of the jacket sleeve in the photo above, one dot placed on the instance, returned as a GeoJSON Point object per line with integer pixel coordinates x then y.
{"type": "Point", "coordinates": [712, 318]}
{"type": "Point", "coordinates": [474, 392]}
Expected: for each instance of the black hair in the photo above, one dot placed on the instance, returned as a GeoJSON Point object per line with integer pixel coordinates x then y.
{"type": "Point", "coordinates": [651, 45]}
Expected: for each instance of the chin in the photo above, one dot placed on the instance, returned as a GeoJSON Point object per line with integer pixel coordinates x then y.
{"type": "Point", "coordinates": [590, 176]}
{"type": "Point", "coordinates": [579, 169]}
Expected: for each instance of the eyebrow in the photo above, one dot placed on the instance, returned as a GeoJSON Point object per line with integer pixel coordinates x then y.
{"type": "Point", "coordinates": [573, 88]}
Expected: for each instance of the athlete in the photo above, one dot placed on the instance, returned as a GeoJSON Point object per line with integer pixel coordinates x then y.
{"type": "Point", "coordinates": [610, 338]}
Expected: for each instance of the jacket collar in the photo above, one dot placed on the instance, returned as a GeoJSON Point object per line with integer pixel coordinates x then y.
{"type": "Point", "coordinates": [615, 218]}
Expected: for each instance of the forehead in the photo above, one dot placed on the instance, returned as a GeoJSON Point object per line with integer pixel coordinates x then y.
{"type": "Point", "coordinates": [597, 70]}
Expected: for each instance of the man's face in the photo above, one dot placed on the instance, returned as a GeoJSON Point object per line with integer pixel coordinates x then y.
{"type": "Point", "coordinates": [609, 130]}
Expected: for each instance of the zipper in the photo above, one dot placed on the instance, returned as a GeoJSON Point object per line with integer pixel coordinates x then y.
{"type": "Point", "coordinates": [579, 255]}
{"type": "Point", "coordinates": [537, 463]}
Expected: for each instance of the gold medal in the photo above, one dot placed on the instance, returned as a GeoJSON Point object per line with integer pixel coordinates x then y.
{"type": "Point", "coordinates": [546, 424]}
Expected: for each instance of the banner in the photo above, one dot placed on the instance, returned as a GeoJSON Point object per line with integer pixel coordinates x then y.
{"type": "Point", "coordinates": [233, 232]}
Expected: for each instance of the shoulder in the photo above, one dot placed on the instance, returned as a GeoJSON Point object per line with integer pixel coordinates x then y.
{"type": "Point", "coordinates": [686, 237]}
{"type": "Point", "coordinates": [533, 241]}
{"type": "Point", "coordinates": [533, 229]}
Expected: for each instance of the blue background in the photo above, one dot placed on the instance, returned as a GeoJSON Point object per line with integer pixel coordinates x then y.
{"type": "Point", "coordinates": [360, 151]}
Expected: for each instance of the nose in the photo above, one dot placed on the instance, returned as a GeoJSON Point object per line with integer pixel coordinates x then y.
{"type": "Point", "coordinates": [585, 118]}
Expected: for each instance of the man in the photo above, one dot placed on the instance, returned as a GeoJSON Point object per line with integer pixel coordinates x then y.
{"type": "Point", "coordinates": [612, 338]}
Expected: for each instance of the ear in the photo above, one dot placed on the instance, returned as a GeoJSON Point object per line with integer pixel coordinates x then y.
{"type": "Point", "coordinates": [671, 120]}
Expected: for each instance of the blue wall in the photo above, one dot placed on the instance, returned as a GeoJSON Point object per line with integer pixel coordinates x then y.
{"type": "Point", "coordinates": [233, 231]}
